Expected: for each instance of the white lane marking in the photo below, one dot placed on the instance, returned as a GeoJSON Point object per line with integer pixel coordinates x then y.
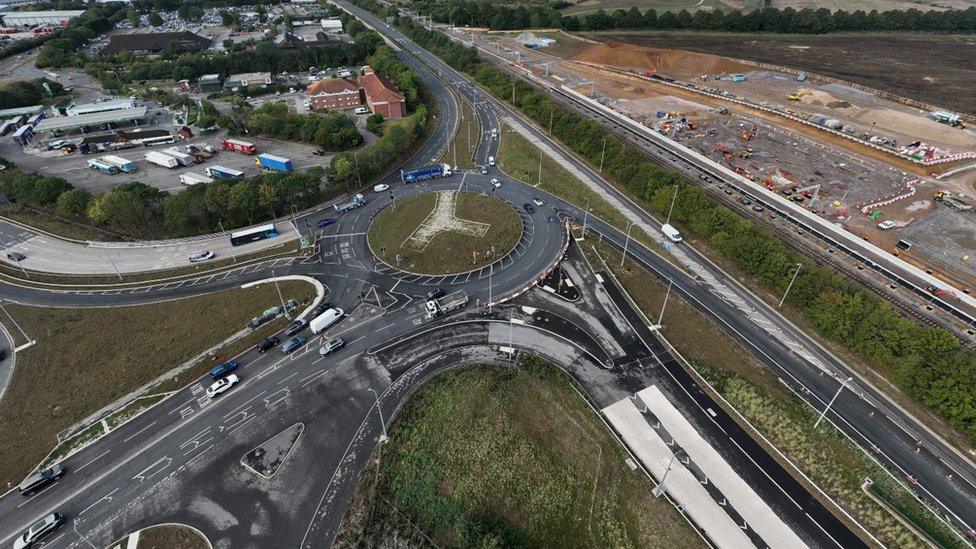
{"type": "Point", "coordinates": [137, 433]}
{"type": "Point", "coordinates": [93, 460]}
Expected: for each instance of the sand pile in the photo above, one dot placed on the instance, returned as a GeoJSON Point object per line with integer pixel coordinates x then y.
{"type": "Point", "coordinates": [660, 60]}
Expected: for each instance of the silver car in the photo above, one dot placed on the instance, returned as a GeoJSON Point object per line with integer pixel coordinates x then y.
{"type": "Point", "coordinates": [201, 256]}
{"type": "Point", "coordinates": [38, 530]}
{"type": "Point", "coordinates": [331, 346]}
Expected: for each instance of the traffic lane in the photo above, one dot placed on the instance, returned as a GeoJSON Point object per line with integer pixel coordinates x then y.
{"type": "Point", "coordinates": [7, 358]}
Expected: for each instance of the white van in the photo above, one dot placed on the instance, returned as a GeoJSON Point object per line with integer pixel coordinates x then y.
{"type": "Point", "coordinates": [491, 160]}
{"type": "Point", "coordinates": [670, 232]}
{"type": "Point", "coordinates": [325, 320]}
{"type": "Point", "coordinates": [362, 110]}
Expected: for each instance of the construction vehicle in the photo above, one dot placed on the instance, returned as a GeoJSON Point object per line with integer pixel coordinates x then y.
{"type": "Point", "coordinates": [799, 94]}
{"type": "Point", "coordinates": [446, 304]}
{"type": "Point", "coordinates": [745, 154]}
{"type": "Point", "coordinates": [953, 202]}
{"type": "Point", "coordinates": [751, 133]}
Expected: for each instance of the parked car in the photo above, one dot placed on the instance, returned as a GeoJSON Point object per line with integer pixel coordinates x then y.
{"type": "Point", "coordinates": [201, 256]}
{"type": "Point", "coordinates": [331, 346]}
{"type": "Point", "coordinates": [745, 200]}
{"type": "Point", "coordinates": [318, 152]}
{"type": "Point", "coordinates": [434, 294]}
{"type": "Point", "coordinates": [496, 183]}
{"type": "Point", "coordinates": [39, 530]}
{"type": "Point", "coordinates": [296, 327]}
{"type": "Point", "coordinates": [886, 224]}
{"type": "Point", "coordinates": [483, 170]}
{"type": "Point", "coordinates": [16, 256]}
{"type": "Point", "coordinates": [267, 343]}
{"type": "Point", "coordinates": [538, 201]}
{"type": "Point", "coordinates": [223, 369]}
{"type": "Point", "coordinates": [381, 187]}
{"type": "Point", "coordinates": [326, 222]}
{"type": "Point", "coordinates": [529, 208]}
{"type": "Point", "coordinates": [292, 344]}
{"type": "Point", "coordinates": [222, 385]}
{"type": "Point", "coordinates": [41, 479]}
{"type": "Point", "coordinates": [758, 207]}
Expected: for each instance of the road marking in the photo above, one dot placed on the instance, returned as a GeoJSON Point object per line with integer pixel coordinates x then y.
{"type": "Point", "coordinates": [37, 494]}
{"type": "Point", "coordinates": [144, 475]}
{"type": "Point", "coordinates": [106, 497]}
{"type": "Point", "coordinates": [93, 460]}
{"type": "Point", "coordinates": [137, 433]}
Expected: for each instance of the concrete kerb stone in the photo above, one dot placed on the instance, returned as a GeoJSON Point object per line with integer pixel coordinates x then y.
{"type": "Point", "coordinates": [319, 288]}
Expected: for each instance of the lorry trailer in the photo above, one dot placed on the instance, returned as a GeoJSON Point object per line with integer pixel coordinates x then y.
{"type": "Point", "coordinates": [161, 159]}
{"type": "Point", "coordinates": [356, 202]}
{"type": "Point", "coordinates": [103, 167]}
{"type": "Point", "coordinates": [443, 305]}
{"type": "Point", "coordinates": [220, 172]}
{"type": "Point", "coordinates": [236, 145]}
{"type": "Point", "coordinates": [181, 157]}
{"type": "Point", "coordinates": [272, 162]}
{"type": "Point", "coordinates": [427, 172]}
{"type": "Point", "coordinates": [193, 179]}
{"type": "Point", "coordinates": [123, 164]}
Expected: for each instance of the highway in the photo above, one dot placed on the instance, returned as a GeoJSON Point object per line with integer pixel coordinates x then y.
{"type": "Point", "coordinates": [180, 460]}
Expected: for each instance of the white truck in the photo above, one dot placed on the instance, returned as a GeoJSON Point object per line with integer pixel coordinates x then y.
{"type": "Point", "coordinates": [183, 158]}
{"type": "Point", "coordinates": [161, 159]}
{"type": "Point", "coordinates": [325, 320]}
{"type": "Point", "coordinates": [443, 305]}
{"type": "Point", "coordinates": [670, 232]}
{"type": "Point", "coordinates": [194, 179]}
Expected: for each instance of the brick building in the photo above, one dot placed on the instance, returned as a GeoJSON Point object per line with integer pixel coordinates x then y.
{"type": "Point", "coordinates": [382, 95]}
{"type": "Point", "coordinates": [331, 94]}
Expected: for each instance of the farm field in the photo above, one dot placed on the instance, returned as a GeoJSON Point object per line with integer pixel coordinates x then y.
{"type": "Point", "coordinates": [585, 6]}
{"type": "Point", "coordinates": [937, 69]}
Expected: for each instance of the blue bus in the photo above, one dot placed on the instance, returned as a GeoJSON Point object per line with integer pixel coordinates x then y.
{"type": "Point", "coordinates": [238, 238]}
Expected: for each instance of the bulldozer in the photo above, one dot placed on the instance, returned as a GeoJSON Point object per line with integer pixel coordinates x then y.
{"type": "Point", "coordinates": [799, 94]}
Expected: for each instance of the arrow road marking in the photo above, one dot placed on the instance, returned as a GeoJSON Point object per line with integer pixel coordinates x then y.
{"type": "Point", "coordinates": [156, 468]}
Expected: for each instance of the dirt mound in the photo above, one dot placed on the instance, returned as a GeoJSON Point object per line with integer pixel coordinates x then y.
{"type": "Point", "coordinates": [671, 62]}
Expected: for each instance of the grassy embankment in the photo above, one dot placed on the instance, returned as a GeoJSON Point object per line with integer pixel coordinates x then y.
{"type": "Point", "coordinates": [447, 252]}
{"type": "Point", "coordinates": [489, 457]}
{"type": "Point", "coordinates": [825, 455]}
{"type": "Point", "coordinates": [462, 149]}
{"type": "Point", "coordinates": [85, 359]}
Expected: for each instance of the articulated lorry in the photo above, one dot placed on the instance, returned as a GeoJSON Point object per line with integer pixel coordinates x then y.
{"type": "Point", "coordinates": [220, 172]}
{"type": "Point", "coordinates": [103, 167]}
{"type": "Point", "coordinates": [236, 145]}
{"type": "Point", "coordinates": [181, 157]}
{"type": "Point", "coordinates": [427, 172]}
{"type": "Point", "coordinates": [193, 179]}
{"type": "Point", "coordinates": [161, 159]}
{"type": "Point", "coordinates": [123, 164]}
{"type": "Point", "coordinates": [443, 305]}
{"type": "Point", "coordinates": [356, 202]}
{"type": "Point", "coordinates": [272, 162]}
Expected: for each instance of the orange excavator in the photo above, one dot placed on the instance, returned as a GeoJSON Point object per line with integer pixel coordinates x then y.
{"type": "Point", "coordinates": [751, 134]}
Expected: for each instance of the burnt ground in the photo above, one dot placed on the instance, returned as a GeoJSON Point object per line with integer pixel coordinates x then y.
{"type": "Point", "coordinates": [937, 69]}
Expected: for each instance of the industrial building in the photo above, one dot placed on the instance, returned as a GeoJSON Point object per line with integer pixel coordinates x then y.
{"type": "Point", "coordinates": [242, 80]}
{"type": "Point", "coordinates": [333, 94]}
{"type": "Point", "coordinates": [91, 119]}
{"type": "Point", "coordinates": [22, 111]}
{"type": "Point", "coordinates": [39, 18]}
{"type": "Point", "coordinates": [152, 43]}
{"type": "Point", "coordinates": [209, 83]}
{"type": "Point", "coordinates": [121, 103]}
{"type": "Point", "coordinates": [382, 95]}
{"type": "Point", "coordinates": [332, 25]}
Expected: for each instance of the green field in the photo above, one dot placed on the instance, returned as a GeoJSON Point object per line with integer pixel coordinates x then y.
{"type": "Point", "coordinates": [447, 252]}
{"type": "Point", "coordinates": [745, 6]}
{"type": "Point", "coordinates": [491, 457]}
{"type": "Point", "coordinates": [70, 374]}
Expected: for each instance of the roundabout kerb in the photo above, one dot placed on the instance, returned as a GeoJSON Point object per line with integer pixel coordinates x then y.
{"type": "Point", "coordinates": [446, 228]}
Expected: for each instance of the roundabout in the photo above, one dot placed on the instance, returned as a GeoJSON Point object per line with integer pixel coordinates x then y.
{"type": "Point", "coordinates": [444, 232]}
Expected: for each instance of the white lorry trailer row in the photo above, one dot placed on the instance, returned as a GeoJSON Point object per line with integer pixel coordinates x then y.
{"type": "Point", "coordinates": [123, 164]}
{"type": "Point", "coordinates": [161, 159]}
{"type": "Point", "coordinates": [183, 158]}
{"type": "Point", "coordinates": [193, 179]}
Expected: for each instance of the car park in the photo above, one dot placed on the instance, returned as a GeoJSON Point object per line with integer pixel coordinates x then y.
{"type": "Point", "coordinates": [380, 188]}
{"type": "Point", "coordinates": [538, 201]}
{"type": "Point", "coordinates": [296, 327]}
{"type": "Point", "coordinates": [529, 208]}
{"type": "Point", "coordinates": [222, 385]}
{"type": "Point", "coordinates": [201, 256]}
{"type": "Point", "coordinates": [331, 346]}
{"type": "Point", "coordinates": [39, 530]}
{"type": "Point", "coordinates": [40, 479]}
{"type": "Point", "coordinates": [16, 256]}
{"type": "Point", "coordinates": [326, 222]}
{"type": "Point", "coordinates": [292, 344]}
{"type": "Point", "coordinates": [267, 343]}
{"type": "Point", "coordinates": [223, 369]}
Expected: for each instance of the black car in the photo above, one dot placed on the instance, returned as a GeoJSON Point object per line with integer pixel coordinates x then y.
{"type": "Point", "coordinates": [296, 327]}
{"type": "Point", "coordinates": [16, 256]}
{"type": "Point", "coordinates": [529, 208]}
{"type": "Point", "coordinates": [326, 222]}
{"type": "Point", "coordinates": [434, 294]}
{"type": "Point", "coordinates": [267, 343]}
{"type": "Point", "coordinates": [321, 308]}
{"type": "Point", "coordinates": [318, 152]}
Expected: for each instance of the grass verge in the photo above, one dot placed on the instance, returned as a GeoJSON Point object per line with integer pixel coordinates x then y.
{"type": "Point", "coordinates": [489, 457]}
{"type": "Point", "coordinates": [824, 454]}
{"type": "Point", "coordinates": [462, 149]}
{"type": "Point", "coordinates": [85, 359]}
{"type": "Point", "coordinates": [447, 251]}
{"type": "Point", "coordinates": [168, 536]}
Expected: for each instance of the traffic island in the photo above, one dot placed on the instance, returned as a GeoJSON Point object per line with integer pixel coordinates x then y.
{"type": "Point", "coordinates": [444, 232]}
{"type": "Point", "coordinates": [164, 536]}
{"type": "Point", "coordinates": [266, 459]}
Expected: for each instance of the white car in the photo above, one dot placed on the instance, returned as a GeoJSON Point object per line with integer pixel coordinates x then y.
{"type": "Point", "coordinates": [496, 183]}
{"type": "Point", "coordinates": [886, 224]}
{"type": "Point", "coordinates": [201, 256]}
{"type": "Point", "coordinates": [538, 201]}
{"type": "Point", "coordinates": [38, 530]}
{"type": "Point", "coordinates": [381, 187]}
{"type": "Point", "coordinates": [222, 385]}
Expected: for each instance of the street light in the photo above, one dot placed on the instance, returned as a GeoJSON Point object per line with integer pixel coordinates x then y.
{"type": "Point", "coordinates": [380, 410]}
{"type": "Point", "coordinates": [837, 394]}
{"type": "Point", "coordinates": [671, 209]}
{"type": "Point", "coordinates": [660, 319]}
{"type": "Point", "coordinates": [626, 242]}
{"type": "Point", "coordinates": [659, 489]}
{"type": "Point", "coordinates": [586, 213]}
{"type": "Point", "coordinates": [284, 309]}
{"type": "Point", "coordinates": [602, 153]}
{"type": "Point", "coordinates": [792, 280]}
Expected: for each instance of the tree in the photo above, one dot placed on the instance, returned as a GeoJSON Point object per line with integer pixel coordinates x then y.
{"type": "Point", "coordinates": [155, 19]}
{"type": "Point", "coordinates": [134, 18]}
{"type": "Point", "coordinates": [73, 203]}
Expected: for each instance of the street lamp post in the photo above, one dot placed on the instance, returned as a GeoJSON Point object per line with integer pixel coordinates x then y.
{"type": "Point", "coordinates": [284, 309]}
{"type": "Point", "coordinates": [113, 265]}
{"type": "Point", "coordinates": [233, 255]}
{"type": "Point", "coordinates": [602, 153]}
{"type": "Point", "coordinates": [659, 489]}
{"type": "Point", "coordinates": [671, 209]}
{"type": "Point", "coordinates": [792, 280]}
{"type": "Point", "coordinates": [829, 404]}
{"type": "Point", "coordinates": [380, 410]}
{"type": "Point", "coordinates": [660, 318]}
{"type": "Point", "coordinates": [586, 213]}
{"type": "Point", "coordinates": [626, 242]}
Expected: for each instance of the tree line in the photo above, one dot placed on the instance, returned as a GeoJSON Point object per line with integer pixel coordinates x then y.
{"type": "Point", "coordinates": [65, 44]}
{"type": "Point", "coordinates": [786, 20]}
{"type": "Point", "coordinates": [28, 92]}
{"type": "Point", "coordinates": [927, 363]}
{"type": "Point", "coordinates": [333, 131]}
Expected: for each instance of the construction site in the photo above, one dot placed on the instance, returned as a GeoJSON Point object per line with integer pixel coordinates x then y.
{"type": "Point", "coordinates": [892, 172]}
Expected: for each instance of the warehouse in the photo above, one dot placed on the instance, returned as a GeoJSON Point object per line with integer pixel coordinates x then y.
{"type": "Point", "coordinates": [22, 111]}
{"type": "Point", "coordinates": [235, 81]}
{"type": "Point", "coordinates": [119, 104]}
{"type": "Point", "coordinates": [151, 43]}
{"type": "Point", "coordinates": [39, 18]}
{"type": "Point", "coordinates": [92, 119]}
